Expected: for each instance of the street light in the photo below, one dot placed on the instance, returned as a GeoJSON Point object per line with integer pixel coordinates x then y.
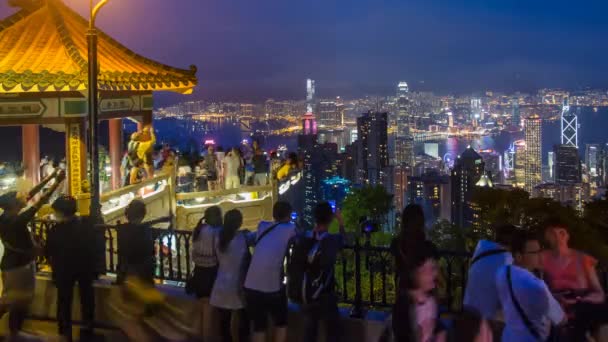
{"type": "Point", "coordinates": [95, 210]}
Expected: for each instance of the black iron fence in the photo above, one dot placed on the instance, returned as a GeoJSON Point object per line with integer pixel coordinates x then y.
{"type": "Point", "coordinates": [365, 274]}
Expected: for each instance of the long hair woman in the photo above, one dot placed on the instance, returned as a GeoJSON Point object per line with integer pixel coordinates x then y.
{"type": "Point", "coordinates": [227, 295]}
{"type": "Point", "coordinates": [410, 236]}
{"type": "Point", "coordinates": [204, 256]}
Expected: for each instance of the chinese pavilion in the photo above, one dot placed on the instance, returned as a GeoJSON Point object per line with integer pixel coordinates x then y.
{"type": "Point", "coordinates": [43, 81]}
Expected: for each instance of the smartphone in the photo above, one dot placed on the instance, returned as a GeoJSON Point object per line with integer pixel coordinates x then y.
{"type": "Point", "coordinates": [332, 203]}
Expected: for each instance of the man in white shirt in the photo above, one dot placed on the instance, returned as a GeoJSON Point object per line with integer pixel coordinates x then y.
{"type": "Point", "coordinates": [528, 306]}
{"type": "Point", "coordinates": [489, 256]}
{"type": "Point", "coordinates": [264, 289]}
{"type": "Point", "coordinates": [232, 163]}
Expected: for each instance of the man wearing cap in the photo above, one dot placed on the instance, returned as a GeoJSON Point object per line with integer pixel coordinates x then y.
{"type": "Point", "coordinates": [17, 265]}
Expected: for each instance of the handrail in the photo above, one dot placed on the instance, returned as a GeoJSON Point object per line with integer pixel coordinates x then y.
{"type": "Point", "coordinates": [131, 188]}
{"type": "Point", "coordinates": [217, 193]}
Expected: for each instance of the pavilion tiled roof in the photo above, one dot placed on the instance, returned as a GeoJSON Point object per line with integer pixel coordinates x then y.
{"type": "Point", "coordinates": [43, 48]}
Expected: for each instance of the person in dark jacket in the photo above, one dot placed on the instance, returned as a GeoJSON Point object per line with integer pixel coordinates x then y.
{"type": "Point", "coordinates": [20, 251]}
{"type": "Point", "coordinates": [71, 249]}
{"type": "Point", "coordinates": [136, 244]}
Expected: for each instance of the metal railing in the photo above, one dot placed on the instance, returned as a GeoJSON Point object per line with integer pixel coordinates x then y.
{"type": "Point", "coordinates": [364, 274]}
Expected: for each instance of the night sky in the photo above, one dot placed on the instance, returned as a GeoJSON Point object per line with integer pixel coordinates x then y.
{"type": "Point", "coordinates": [251, 50]}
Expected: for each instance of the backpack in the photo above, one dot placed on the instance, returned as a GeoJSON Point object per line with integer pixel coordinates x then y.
{"type": "Point", "coordinates": [132, 151]}
{"type": "Point", "coordinates": [307, 279]}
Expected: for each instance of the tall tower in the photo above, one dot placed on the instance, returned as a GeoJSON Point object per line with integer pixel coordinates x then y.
{"type": "Point", "coordinates": [515, 113]}
{"type": "Point", "coordinates": [310, 95]}
{"type": "Point", "coordinates": [372, 156]}
{"type": "Point", "coordinates": [533, 154]}
{"type": "Point", "coordinates": [467, 171]}
{"type": "Point", "coordinates": [569, 124]}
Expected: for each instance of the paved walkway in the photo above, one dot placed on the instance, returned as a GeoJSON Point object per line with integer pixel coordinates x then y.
{"type": "Point", "coordinates": [47, 331]}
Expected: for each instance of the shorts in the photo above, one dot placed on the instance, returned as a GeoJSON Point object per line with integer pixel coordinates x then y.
{"type": "Point", "coordinates": [233, 182]}
{"type": "Point", "coordinates": [260, 305]}
{"type": "Point", "coordinates": [201, 282]}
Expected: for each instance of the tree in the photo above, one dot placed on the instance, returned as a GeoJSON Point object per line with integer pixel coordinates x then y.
{"type": "Point", "coordinates": [371, 202]}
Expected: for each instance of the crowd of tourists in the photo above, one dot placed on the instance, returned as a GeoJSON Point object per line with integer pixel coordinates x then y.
{"type": "Point", "coordinates": [516, 290]}
{"type": "Point", "coordinates": [245, 165]}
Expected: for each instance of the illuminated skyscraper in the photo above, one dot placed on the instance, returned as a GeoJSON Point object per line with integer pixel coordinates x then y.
{"type": "Point", "coordinates": [592, 159]}
{"type": "Point", "coordinates": [467, 171]}
{"type": "Point", "coordinates": [404, 151]}
{"type": "Point", "coordinates": [533, 156]}
{"type": "Point", "coordinates": [402, 89]}
{"type": "Point", "coordinates": [476, 109]}
{"type": "Point", "coordinates": [402, 173]}
{"type": "Point", "coordinates": [551, 162]}
{"type": "Point", "coordinates": [372, 159]}
{"type": "Point", "coordinates": [515, 113]}
{"type": "Point", "coordinates": [569, 125]}
{"type": "Point", "coordinates": [329, 114]}
{"type": "Point", "coordinates": [567, 165]}
{"type": "Point", "coordinates": [310, 95]}
{"type": "Point", "coordinates": [520, 163]}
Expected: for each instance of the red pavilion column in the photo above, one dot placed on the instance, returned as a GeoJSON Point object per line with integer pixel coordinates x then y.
{"type": "Point", "coordinates": [115, 150]}
{"type": "Point", "coordinates": [31, 151]}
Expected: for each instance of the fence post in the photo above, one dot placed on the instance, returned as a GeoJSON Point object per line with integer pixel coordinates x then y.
{"type": "Point", "coordinates": [357, 310]}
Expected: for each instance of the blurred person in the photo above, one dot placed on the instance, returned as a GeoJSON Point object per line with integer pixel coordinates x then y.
{"type": "Point", "coordinates": [290, 165]}
{"type": "Point", "coordinates": [596, 327]}
{"type": "Point", "coordinates": [211, 165]}
{"type": "Point", "coordinates": [264, 289]}
{"type": "Point", "coordinates": [20, 251]}
{"type": "Point", "coordinates": [570, 274]}
{"type": "Point", "coordinates": [412, 232]}
{"type": "Point", "coordinates": [147, 140]}
{"type": "Point", "coordinates": [185, 177]}
{"type": "Point", "coordinates": [469, 326]}
{"type": "Point", "coordinates": [319, 250]}
{"type": "Point", "coordinates": [204, 255]}
{"type": "Point", "coordinates": [481, 292]}
{"type": "Point", "coordinates": [72, 250]}
{"type": "Point", "coordinates": [220, 154]}
{"type": "Point", "coordinates": [275, 164]}
{"type": "Point", "coordinates": [228, 295]}
{"type": "Point", "coordinates": [201, 176]}
{"type": "Point", "coordinates": [136, 243]}
{"type": "Point", "coordinates": [529, 308]}
{"type": "Point", "coordinates": [415, 313]}
{"type": "Point", "coordinates": [23, 185]}
{"type": "Point", "coordinates": [232, 163]}
{"type": "Point", "coordinates": [260, 166]}
{"type": "Point", "coordinates": [136, 173]}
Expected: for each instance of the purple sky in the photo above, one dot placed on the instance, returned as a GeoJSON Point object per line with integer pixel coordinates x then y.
{"type": "Point", "coordinates": [252, 50]}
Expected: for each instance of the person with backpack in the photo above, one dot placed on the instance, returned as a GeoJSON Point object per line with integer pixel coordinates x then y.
{"type": "Point", "coordinates": [227, 295]}
{"type": "Point", "coordinates": [72, 252]}
{"type": "Point", "coordinates": [530, 310]}
{"type": "Point", "coordinates": [310, 274]}
{"type": "Point", "coordinates": [480, 292]}
{"type": "Point", "coordinates": [264, 290]}
{"type": "Point", "coordinates": [205, 258]}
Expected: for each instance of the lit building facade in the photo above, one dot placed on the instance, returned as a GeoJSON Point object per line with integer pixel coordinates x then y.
{"type": "Point", "coordinates": [467, 171]}
{"type": "Point", "coordinates": [372, 158]}
{"type": "Point", "coordinates": [533, 155]}
{"type": "Point", "coordinates": [430, 191]}
{"type": "Point", "coordinates": [329, 114]}
{"type": "Point", "coordinates": [567, 165]}
{"type": "Point", "coordinates": [404, 151]}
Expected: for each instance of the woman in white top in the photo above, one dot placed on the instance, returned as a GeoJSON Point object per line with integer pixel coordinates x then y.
{"type": "Point", "coordinates": [227, 294]}
{"type": "Point", "coordinates": [204, 239]}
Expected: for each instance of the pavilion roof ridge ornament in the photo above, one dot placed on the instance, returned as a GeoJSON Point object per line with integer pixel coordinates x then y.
{"type": "Point", "coordinates": [51, 29]}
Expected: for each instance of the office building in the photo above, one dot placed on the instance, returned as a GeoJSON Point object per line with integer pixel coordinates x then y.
{"type": "Point", "coordinates": [467, 171]}
{"type": "Point", "coordinates": [310, 95]}
{"type": "Point", "coordinates": [567, 165]}
{"type": "Point", "coordinates": [569, 125]}
{"type": "Point", "coordinates": [515, 112]}
{"type": "Point", "coordinates": [329, 114]}
{"type": "Point", "coordinates": [372, 158]}
{"type": "Point", "coordinates": [404, 151]}
{"type": "Point", "coordinates": [476, 110]}
{"type": "Point", "coordinates": [402, 173]}
{"type": "Point", "coordinates": [533, 154]}
{"type": "Point", "coordinates": [551, 163]}
{"type": "Point", "coordinates": [431, 149]}
{"type": "Point", "coordinates": [430, 191]}
{"type": "Point", "coordinates": [520, 163]}
{"type": "Point", "coordinates": [592, 159]}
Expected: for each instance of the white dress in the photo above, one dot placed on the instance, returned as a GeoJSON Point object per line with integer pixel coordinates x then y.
{"type": "Point", "coordinates": [227, 291]}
